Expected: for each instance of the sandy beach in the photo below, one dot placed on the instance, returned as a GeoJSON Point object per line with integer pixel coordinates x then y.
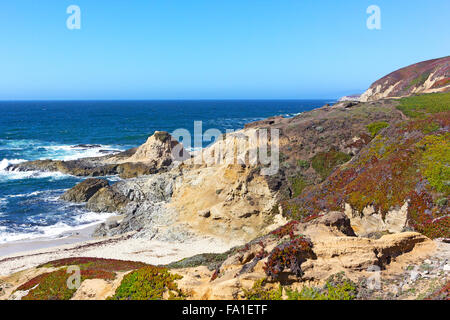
{"type": "Point", "coordinates": [16, 257]}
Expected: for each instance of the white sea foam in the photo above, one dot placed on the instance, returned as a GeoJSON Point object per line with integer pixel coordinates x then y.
{"type": "Point", "coordinates": [35, 193]}
{"type": "Point", "coordinates": [68, 152]}
{"type": "Point", "coordinates": [58, 230]}
{"type": "Point", "coordinates": [19, 175]}
{"type": "Point", "coordinates": [5, 163]}
{"type": "Point", "coordinates": [93, 217]}
{"type": "Point", "coordinates": [36, 149]}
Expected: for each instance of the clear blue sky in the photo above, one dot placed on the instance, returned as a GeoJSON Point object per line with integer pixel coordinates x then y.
{"type": "Point", "coordinates": [209, 49]}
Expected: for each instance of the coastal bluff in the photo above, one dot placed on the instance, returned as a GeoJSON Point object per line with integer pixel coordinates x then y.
{"type": "Point", "coordinates": [358, 209]}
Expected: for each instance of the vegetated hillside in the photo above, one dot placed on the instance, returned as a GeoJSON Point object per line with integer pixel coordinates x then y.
{"type": "Point", "coordinates": [423, 77]}
{"type": "Point", "coordinates": [405, 162]}
{"type": "Point", "coordinates": [315, 143]}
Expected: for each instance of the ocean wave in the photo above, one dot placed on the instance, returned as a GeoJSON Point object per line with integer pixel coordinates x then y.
{"type": "Point", "coordinates": [19, 144]}
{"type": "Point", "coordinates": [74, 152]}
{"type": "Point", "coordinates": [20, 175]}
{"type": "Point", "coordinates": [291, 115]}
{"type": "Point", "coordinates": [35, 193]}
{"type": "Point", "coordinates": [5, 163]}
{"type": "Point", "coordinates": [38, 150]}
{"type": "Point", "coordinates": [93, 217]}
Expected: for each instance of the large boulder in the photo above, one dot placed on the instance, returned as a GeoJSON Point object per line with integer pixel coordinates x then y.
{"type": "Point", "coordinates": [83, 191]}
{"type": "Point", "coordinates": [107, 199]}
{"type": "Point", "coordinates": [338, 220]}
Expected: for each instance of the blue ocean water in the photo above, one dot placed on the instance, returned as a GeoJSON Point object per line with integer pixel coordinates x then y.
{"type": "Point", "coordinates": [29, 204]}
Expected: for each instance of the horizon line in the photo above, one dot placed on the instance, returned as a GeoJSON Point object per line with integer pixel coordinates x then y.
{"type": "Point", "coordinates": [173, 99]}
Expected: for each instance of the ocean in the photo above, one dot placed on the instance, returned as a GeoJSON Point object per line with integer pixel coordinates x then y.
{"type": "Point", "coordinates": [29, 201]}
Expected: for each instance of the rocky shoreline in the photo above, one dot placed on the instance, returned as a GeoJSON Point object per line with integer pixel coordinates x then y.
{"type": "Point", "coordinates": [361, 195]}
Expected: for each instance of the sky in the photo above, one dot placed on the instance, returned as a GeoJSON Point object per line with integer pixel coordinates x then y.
{"type": "Point", "coordinates": [211, 49]}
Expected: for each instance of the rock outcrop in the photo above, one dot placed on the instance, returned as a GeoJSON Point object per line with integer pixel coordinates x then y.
{"type": "Point", "coordinates": [354, 97]}
{"type": "Point", "coordinates": [423, 77]}
{"type": "Point", "coordinates": [107, 199]}
{"type": "Point", "coordinates": [160, 150]}
{"type": "Point", "coordinates": [158, 154]}
{"type": "Point", "coordinates": [83, 191]}
{"type": "Point", "coordinates": [334, 253]}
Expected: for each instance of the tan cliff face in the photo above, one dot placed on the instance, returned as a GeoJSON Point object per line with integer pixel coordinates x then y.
{"type": "Point", "coordinates": [423, 77]}
{"type": "Point", "coordinates": [228, 201]}
{"type": "Point", "coordinates": [221, 193]}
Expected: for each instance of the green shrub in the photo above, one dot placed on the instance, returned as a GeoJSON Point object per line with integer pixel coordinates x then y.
{"type": "Point", "coordinates": [210, 260]}
{"type": "Point", "coordinates": [148, 283]}
{"type": "Point", "coordinates": [345, 291]}
{"type": "Point", "coordinates": [419, 80]}
{"type": "Point", "coordinates": [298, 184]}
{"type": "Point", "coordinates": [52, 286]}
{"type": "Point", "coordinates": [258, 292]}
{"type": "Point", "coordinates": [419, 106]}
{"type": "Point", "coordinates": [307, 293]}
{"type": "Point", "coordinates": [325, 162]}
{"type": "Point", "coordinates": [431, 127]}
{"type": "Point", "coordinates": [303, 164]}
{"type": "Point", "coordinates": [435, 161]}
{"type": "Point", "coordinates": [376, 127]}
{"type": "Point", "coordinates": [337, 288]}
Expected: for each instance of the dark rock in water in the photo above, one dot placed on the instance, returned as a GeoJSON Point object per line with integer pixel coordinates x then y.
{"type": "Point", "coordinates": [87, 146]}
{"type": "Point", "coordinates": [107, 199]}
{"type": "Point", "coordinates": [127, 153]}
{"type": "Point", "coordinates": [105, 151]}
{"type": "Point", "coordinates": [83, 191]}
{"type": "Point", "coordinates": [79, 168]}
